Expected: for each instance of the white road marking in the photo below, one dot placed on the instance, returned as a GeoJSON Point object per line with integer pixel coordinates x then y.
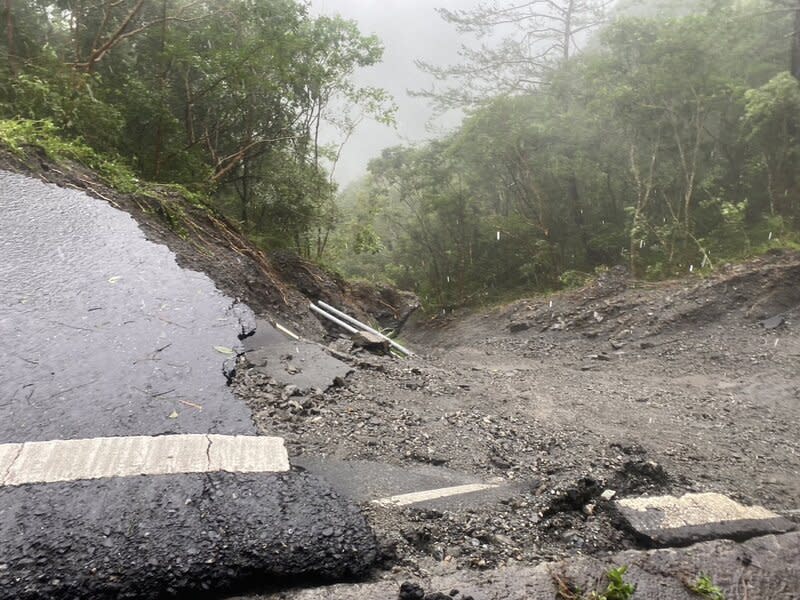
{"type": "Point", "coordinates": [695, 509]}
{"type": "Point", "coordinates": [413, 498]}
{"type": "Point", "coordinates": [72, 460]}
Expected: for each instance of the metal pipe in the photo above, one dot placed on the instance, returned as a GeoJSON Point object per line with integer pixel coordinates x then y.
{"type": "Point", "coordinates": [333, 319]}
{"type": "Point", "coordinates": [364, 327]}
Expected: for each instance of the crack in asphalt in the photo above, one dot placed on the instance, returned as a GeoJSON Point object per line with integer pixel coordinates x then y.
{"type": "Point", "coordinates": [208, 452]}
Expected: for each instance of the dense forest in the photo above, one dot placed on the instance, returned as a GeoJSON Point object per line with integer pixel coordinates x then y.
{"type": "Point", "coordinates": [669, 143]}
{"type": "Point", "coordinates": [225, 97]}
{"type": "Point", "coordinates": [659, 134]}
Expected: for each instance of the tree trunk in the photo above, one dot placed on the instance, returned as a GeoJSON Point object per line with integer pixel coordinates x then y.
{"type": "Point", "coordinates": [567, 40]}
{"type": "Point", "coordinates": [162, 84]}
{"type": "Point", "coordinates": [12, 67]}
{"type": "Point", "coordinates": [796, 42]}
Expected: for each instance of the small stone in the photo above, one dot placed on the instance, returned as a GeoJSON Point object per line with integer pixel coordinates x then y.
{"type": "Point", "coordinates": [371, 342]}
{"type": "Point", "coordinates": [608, 495]}
{"type": "Point", "coordinates": [289, 391]}
{"type": "Point", "coordinates": [411, 591]}
{"type": "Point", "coordinates": [773, 323]}
{"type": "Point", "coordinates": [500, 462]}
{"type": "Point", "coordinates": [518, 326]}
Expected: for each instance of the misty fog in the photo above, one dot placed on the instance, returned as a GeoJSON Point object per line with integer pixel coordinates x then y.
{"type": "Point", "coordinates": [410, 30]}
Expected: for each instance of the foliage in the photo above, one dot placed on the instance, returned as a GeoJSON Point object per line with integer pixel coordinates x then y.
{"type": "Point", "coordinates": [617, 589]}
{"type": "Point", "coordinates": [18, 133]}
{"type": "Point", "coordinates": [669, 145]}
{"type": "Point", "coordinates": [530, 40]}
{"type": "Point", "coordinates": [227, 95]}
{"type": "Point", "coordinates": [706, 589]}
{"type": "Point", "coordinates": [663, 134]}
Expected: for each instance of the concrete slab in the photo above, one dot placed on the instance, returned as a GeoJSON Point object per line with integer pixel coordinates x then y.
{"type": "Point", "coordinates": [673, 521]}
{"type": "Point", "coordinates": [291, 362]}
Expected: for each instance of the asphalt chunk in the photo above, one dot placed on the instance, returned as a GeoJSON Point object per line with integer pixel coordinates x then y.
{"type": "Point", "coordinates": [671, 521]}
{"type": "Point", "coordinates": [153, 536]}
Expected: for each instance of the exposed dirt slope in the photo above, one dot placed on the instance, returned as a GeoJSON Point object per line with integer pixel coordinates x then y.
{"type": "Point", "coordinates": [639, 388]}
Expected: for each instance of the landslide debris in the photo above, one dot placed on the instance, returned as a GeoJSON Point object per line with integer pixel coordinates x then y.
{"type": "Point", "coordinates": [639, 389]}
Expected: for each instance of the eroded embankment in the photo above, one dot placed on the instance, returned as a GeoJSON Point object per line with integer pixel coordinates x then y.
{"type": "Point", "coordinates": [638, 388]}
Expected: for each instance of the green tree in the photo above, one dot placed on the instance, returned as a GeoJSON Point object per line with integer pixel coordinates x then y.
{"type": "Point", "coordinates": [772, 125]}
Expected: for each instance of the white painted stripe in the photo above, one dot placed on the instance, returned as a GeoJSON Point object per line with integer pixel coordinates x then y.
{"type": "Point", "coordinates": [72, 460]}
{"type": "Point", "coordinates": [695, 509]}
{"type": "Point", "coordinates": [413, 498]}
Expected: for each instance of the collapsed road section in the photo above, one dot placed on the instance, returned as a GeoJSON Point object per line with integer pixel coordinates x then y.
{"type": "Point", "coordinates": [127, 467]}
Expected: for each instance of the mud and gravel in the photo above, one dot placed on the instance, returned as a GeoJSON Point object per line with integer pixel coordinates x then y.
{"type": "Point", "coordinates": [764, 568]}
{"type": "Point", "coordinates": [637, 388]}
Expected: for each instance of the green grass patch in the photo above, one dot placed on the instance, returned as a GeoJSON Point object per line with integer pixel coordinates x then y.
{"type": "Point", "coordinates": [617, 588]}
{"type": "Point", "coordinates": [18, 133]}
{"type": "Point", "coordinates": [705, 588]}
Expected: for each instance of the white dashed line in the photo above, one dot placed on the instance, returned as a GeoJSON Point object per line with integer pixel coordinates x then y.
{"type": "Point", "coordinates": [72, 460]}
{"type": "Point", "coordinates": [413, 498]}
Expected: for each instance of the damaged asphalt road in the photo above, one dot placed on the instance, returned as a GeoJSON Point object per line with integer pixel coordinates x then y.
{"type": "Point", "coordinates": [156, 536]}
{"type": "Point", "coordinates": [104, 336]}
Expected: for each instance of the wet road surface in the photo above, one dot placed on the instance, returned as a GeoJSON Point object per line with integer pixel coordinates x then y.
{"type": "Point", "coordinates": [103, 335]}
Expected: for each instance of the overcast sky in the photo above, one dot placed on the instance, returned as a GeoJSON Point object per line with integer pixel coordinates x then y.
{"type": "Point", "coordinates": [409, 30]}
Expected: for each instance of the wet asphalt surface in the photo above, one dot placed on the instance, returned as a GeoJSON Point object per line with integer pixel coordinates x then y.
{"type": "Point", "coordinates": [102, 334]}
